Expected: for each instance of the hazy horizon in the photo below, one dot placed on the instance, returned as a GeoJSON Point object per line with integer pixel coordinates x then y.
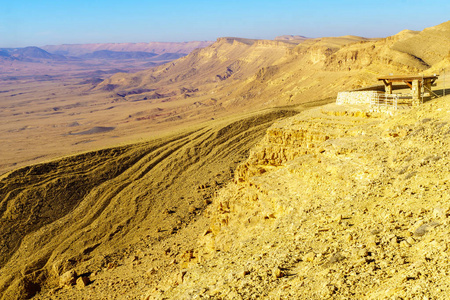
{"type": "Point", "coordinates": [33, 23]}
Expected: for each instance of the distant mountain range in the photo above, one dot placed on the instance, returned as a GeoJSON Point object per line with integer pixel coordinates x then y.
{"type": "Point", "coordinates": [125, 51]}
{"type": "Point", "coordinates": [4, 53]}
{"type": "Point", "coordinates": [152, 47]}
{"type": "Point", "coordinates": [28, 54]}
{"type": "Point", "coordinates": [108, 54]}
{"type": "Point", "coordinates": [291, 38]}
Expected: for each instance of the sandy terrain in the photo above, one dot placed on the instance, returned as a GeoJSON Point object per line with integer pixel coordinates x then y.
{"type": "Point", "coordinates": [230, 76]}
{"type": "Point", "coordinates": [173, 183]}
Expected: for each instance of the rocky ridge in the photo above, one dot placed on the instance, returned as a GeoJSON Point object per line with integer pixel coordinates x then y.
{"type": "Point", "coordinates": [238, 72]}
{"type": "Point", "coordinates": [333, 203]}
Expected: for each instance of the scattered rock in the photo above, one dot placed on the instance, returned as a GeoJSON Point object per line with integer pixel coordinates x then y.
{"type": "Point", "coordinates": [151, 271]}
{"type": "Point", "coordinates": [111, 265]}
{"type": "Point", "coordinates": [82, 281]}
{"type": "Point", "coordinates": [410, 240]}
{"type": "Point", "coordinates": [439, 212]}
{"type": "Point", "coordinates": [133, 258]}
{"type": "Point", "coordinates": [404, 244]}
{"type": "Point", "coordinates": [69, 278]}
{"type": "Point", "coordinates": [180, 276]}
{"type": "Point", "coordinates": [394, 241]}
{"type": "Point", "coordinates": [338, 218]}
{"type": "Point", "coordinates": [243, 273]}
{"type": "Point", "coordinates": [336, 257]}
{"type": "Point", "coordinates": [423, 229]}
{"type": "Point", "coordinates": [277, 273]}
{"type": "Point", "coordinates": [309, 257]}
{"type": "Point", "coordinates": [363, 253]}
{"type": "Point", "coordinates": [349, 238]}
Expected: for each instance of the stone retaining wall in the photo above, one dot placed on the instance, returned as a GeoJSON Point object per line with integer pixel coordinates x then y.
{"type": "Point", "coordinates": [362, 97]}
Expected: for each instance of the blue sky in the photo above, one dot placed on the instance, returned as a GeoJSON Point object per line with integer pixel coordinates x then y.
{"type": "Point", "coordinates": [45, 22]}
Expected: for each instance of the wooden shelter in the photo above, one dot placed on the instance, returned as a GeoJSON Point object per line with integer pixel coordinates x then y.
{"type": "Point", "coordinates": [415, 83]}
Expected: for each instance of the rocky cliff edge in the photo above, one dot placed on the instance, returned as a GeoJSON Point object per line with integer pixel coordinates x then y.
{"type": "Point", "coordinates": [336, 203]}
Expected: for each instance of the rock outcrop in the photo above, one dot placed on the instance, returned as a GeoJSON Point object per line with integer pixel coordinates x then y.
{"type": "Point", "coordinates": [333, 203]}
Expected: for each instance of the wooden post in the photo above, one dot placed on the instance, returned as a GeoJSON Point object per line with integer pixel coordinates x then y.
{"type": "Point", "coordinates": [427, 85]}
{"type": "Point", "coordinates": [388, 87]}
{"type": "Point", "coordinates": [415, 92]}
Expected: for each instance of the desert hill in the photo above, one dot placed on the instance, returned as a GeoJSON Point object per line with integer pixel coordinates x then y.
{"type": "Point", "coordinates": [4, 53]}
{"type": "Point", "coordinates": [418, 44]}
{"type": "Point", "coordinates": [35, 52]}
{"type": "Point", "coordinates": [268, 73]}
{"type": "Point", "coordinates": [332, 202]}
{"type": "Point", "coordinates": [221, 200]}
{"type": "Point", "coordinates": [134, 55]}
{"type": "Point", "coordinates": [30, 54]}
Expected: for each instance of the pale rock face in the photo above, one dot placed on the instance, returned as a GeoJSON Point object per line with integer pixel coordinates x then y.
{"type": "Point", "coordinates": [334, 203]}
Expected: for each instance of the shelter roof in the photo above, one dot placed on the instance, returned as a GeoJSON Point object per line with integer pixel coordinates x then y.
{"type": "Point", "coordinates": [393, 78]}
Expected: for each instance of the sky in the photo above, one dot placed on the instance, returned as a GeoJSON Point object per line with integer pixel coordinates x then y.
{"type": "Point", "coordinates": [48, 22]}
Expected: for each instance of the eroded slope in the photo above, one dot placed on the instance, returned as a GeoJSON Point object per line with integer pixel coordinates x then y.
{"type": "Point", "coordinates": [89, 211]}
